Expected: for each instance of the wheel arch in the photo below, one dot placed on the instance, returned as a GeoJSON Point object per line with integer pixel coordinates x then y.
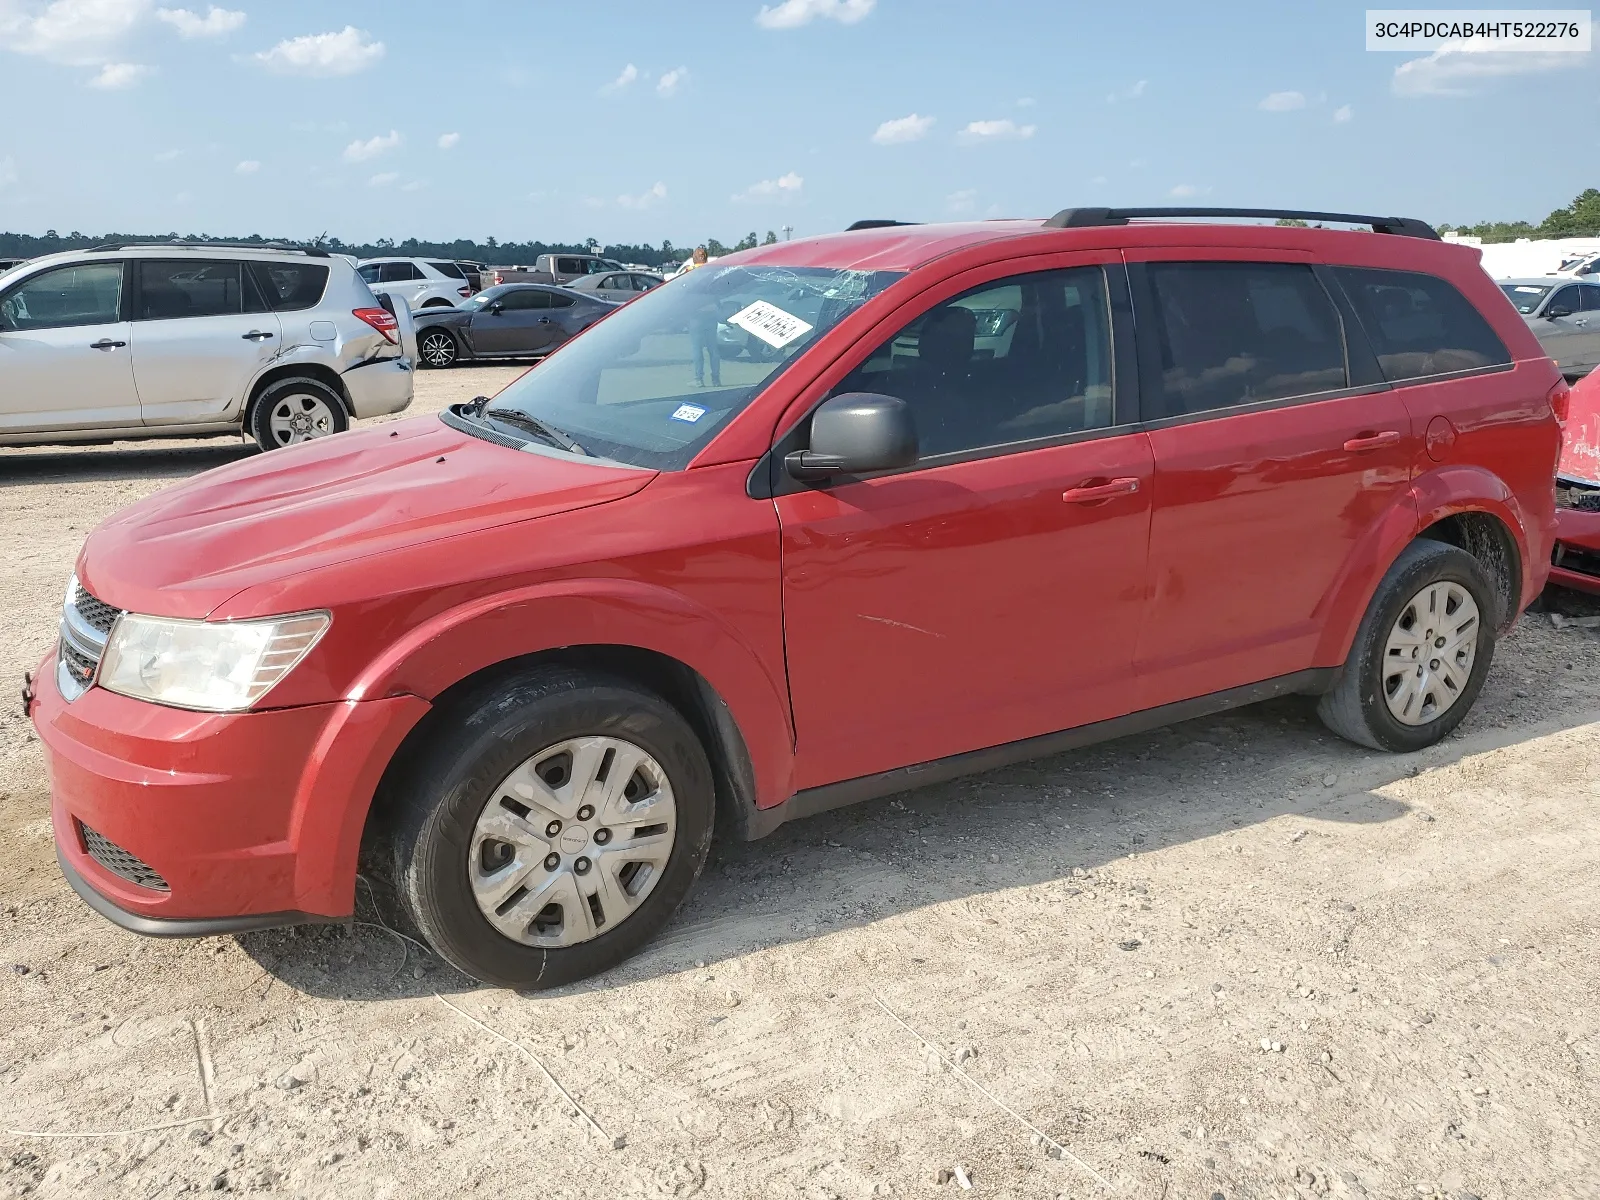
{"type": "Point", "coordinates": [1489, 540]}
{"type": "Point", "coordinates": [310, 370]}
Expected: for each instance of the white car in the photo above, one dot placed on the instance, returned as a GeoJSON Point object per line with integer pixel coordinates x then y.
{"type": "Point", "coordinates": [421, 282]}
{"type": "Point", "coordinates": [178, 340]}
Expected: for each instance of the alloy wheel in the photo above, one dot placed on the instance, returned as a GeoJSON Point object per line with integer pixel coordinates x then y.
{"type": "Point", "coordinates": [300, 417]}
{"type": "Point", "coordinates": [438, 349]}
{"type": "Point", "coordinates": [572, 841]}
{"type": "Point", "coordinates": [1428, 658]}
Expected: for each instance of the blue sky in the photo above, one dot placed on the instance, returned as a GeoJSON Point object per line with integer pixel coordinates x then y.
{"type": "Point", "coordinates": [638, 120]}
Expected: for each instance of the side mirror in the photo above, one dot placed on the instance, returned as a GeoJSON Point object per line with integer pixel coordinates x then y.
{"type": "Point", "coordinates": [495, 306]}
{"type": "Point", "coordinates": [854, 434]}
{"type": "Point", "coordinates": [1556, 310]}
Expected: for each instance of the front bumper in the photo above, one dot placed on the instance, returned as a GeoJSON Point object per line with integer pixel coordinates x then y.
{"type": "Point", "coordinates": [380, 387]}
{"type": "Point", "coordinates": [247, 819]}
{"type": "Point", "coordinates": [1576, 561]}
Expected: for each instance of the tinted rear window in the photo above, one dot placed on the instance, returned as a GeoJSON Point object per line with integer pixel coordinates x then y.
{"type": "Point", "coordinates": [453, 270]}
{"type": "Point", "coordinates": [1420, 325]}
{"type": "Point", "coordinates": [1230, 334]}
{"type": "Point", "coordinates": [291, 286]}
{"type": "Point", "coordinates": [186, 288]}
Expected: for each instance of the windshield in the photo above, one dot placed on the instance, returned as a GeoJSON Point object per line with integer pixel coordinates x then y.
{"type": "Point", "coordinates": [654, 381]}
{"type": "Point", "coordinates": [1525, 296]}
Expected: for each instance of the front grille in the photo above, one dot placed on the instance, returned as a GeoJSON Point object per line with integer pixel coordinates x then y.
{"type": "Point", "coordinates": [119, 862]}
{"type": "Point", "coordinates": [97, 613]}
{"type": "Point", "coordinates": [78, 664]}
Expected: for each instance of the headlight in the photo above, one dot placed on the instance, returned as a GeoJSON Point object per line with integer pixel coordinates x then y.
{"type": "Point", "coordinates": [221, 666]}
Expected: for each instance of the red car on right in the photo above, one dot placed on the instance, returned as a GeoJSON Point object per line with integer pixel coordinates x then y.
{"type": "Point", "coordinates": [1576, 560]}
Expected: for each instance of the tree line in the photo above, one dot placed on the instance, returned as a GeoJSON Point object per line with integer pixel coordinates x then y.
{"type": "Point", "coordinates": [1581, 218]}
{"type": "Point", "coordinates": [23, 245]}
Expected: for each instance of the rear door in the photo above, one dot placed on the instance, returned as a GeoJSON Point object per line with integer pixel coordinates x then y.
{"type": "Point", "coordinates": [201, 333]}
{"type": "Point", "coordinates": [402, 279]}
{"type": "Point", "coordinates": [994, 591]}
{"type": "Point", "coordinates": [1272, 459]}
{"type": "Point", "coordinates": [64, 358]}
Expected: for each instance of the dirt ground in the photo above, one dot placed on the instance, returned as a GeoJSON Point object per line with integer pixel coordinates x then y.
{"type": "Point", "coordinates": [1234, 957]}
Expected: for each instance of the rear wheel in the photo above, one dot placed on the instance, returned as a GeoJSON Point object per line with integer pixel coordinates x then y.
{"type": "Point", "coordinates": [552, 828]}
{"type": "Point", "coordinates": [296, 409]}
{"type": "Point", "coordinates": [1421, 654]}
{"type": "Point", "coordinates": [437, 348]}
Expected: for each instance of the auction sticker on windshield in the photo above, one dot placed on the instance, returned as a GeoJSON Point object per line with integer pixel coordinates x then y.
{"type": "Point", "coordinates": [770, 323]}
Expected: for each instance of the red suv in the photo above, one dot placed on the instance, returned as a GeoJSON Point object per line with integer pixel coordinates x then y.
{"type": "Point", "coordinates": [947, 497]}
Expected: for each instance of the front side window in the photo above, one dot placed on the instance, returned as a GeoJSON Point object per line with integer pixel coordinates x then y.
{"type": "Point", "coordinates": [169, 290]}
{"type": "Point", "coordinates": [1020, 359]}
{"type": "Point", "coordinates": [1237, 333]}
{"type": "Point", "coordinates": [1420, 325]}
{"type": "Point", "coordinates": [652, 383]}
{"type": "Point", "coordinates": [82, 294]}
{"type": "Point", "coordinates": [1564, 301]}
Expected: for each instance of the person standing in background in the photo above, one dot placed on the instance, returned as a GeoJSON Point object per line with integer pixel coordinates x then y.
{"type": "Point", "coordinates": [703, 332]}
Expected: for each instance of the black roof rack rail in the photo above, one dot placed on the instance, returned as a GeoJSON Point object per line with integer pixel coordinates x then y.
{"type": "Point", "coordinates": [182, 244]}
{"type": "Point", "coordinates": [876, 224]}
{"type": "Point", "coordinates": [1083, 218]}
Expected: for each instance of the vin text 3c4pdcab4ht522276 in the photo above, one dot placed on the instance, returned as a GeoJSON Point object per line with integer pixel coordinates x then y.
{"type": "Point", "coordinates": [989, 491]}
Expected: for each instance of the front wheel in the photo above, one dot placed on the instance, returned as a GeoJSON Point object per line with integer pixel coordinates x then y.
{"type": "Point", "coordinates": [1421, 654]}
{"type": "Point", "coordinates": [296, 409]}
{"type": "Point", "coordinates": [551, 828]}
{"type": "Point", "coordinates": [437, 348]}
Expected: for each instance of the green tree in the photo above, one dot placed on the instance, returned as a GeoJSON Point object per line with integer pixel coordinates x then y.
{"type": "Point", "coordinates": [747, 242]}
{"type": "Point", "coordinates": [770, 240]}
{"type": "Point", "coordinates": [716, 249]}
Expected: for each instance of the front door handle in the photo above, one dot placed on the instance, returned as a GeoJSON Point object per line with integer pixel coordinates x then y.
{"type": "Point", "coordinates": [106, 344]}
{"type": "Point", "coordinates": [544, 320]}
{"type": "Point", "coordinates": [1094, 493]}
{"type": "Point", "coordinates": [1372, 441]}
{"type": "Point", "coordinates": [256, 335]}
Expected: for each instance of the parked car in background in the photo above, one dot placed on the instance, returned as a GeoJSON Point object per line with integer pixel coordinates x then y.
{"type": "Point", "coordinates": [154, 340]}
{"type": "Point", "coordinates": [533, 652]}
{"type": "Point", "coordinates": [513, 320]}
{"type": "Point", "coordinates": [1564, 316]}
{"type": "Point", "coordinates": [478, 275]}
{"type": "Point", "coordinates": [7, 263]}
{"type": "Point", "coordinates": [421, 283]}
{"type": "Point", "coordinates": [1575, 562]}
{"type": "Point", "coordinates": [619, 286]}
{"type": "Point", "coordinates": [557, 268]}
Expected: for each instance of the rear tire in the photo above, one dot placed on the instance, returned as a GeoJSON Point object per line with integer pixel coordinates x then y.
{"type": "Point", "coordinates": [437, 349]}
{"type": "Point", "coordinates": [473, 893]}
{"type": "Point", "coordinates": [296, 409]}
{"type": "Point", "coordinates": [1421, 654]}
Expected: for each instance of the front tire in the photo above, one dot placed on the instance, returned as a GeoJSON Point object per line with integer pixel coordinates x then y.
{"type": "Point", "coordinates": [551, 827]}
{"type": "Point", "coordinates": [1421, 655]}
{"type": "Point", "coordinates": [437, 349]}
{"type": "Point", "coordinates": [294, 410]}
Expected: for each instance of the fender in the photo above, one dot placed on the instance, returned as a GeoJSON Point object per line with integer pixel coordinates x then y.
{"type": "Point", "coordinates": [1462, 488]}
{"type": "Point", "coordinates": [480, 633]}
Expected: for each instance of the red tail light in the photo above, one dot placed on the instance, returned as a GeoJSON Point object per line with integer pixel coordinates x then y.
{"type": "Point", "coordinates": [1561, 400]}
{"type": "Point", "coordinates": [380, 319]}
{"type": "Point", "coordinates": [498, 279]}
{"type": "Point", "coordinates": [463, 291]}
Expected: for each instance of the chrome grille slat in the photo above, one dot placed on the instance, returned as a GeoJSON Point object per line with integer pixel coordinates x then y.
{"type": "Point", "coordinates": [86, 623]}
{"type": "Point", "coordinates": [120, 862]}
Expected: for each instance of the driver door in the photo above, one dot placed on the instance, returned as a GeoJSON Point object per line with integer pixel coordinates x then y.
{"type": "Point", "coordinates": [521, 325]}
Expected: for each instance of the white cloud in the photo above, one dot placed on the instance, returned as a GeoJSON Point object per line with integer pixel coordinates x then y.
{"type": "Point", "coordinates": [248, 167]}
{"type": "Point", "coordinates": [964, 201]}
{"type": "Point", "coordinates": [792, 14]}
{"type": "Point", "coordinates": [113, 77]}
{"type": "Point", "coordinates": [1342, 114]}
{"type": "Point", "coordinates": [1282, 102]}
{"type": "Point", "coordinates": [994, 131]}
{"type": "Point", "coordinates": [1459, 71]}
{"type": "Point", "coordinates": [79, 33]}
{"type": "Point", "coordinates": [449, 141]}
{"type": "Point", "coordinates": [629, 74]}
{"type": "Point", "coordinates": [646, 199]}
{"type": "Point", "coordinates": [359, 151]}
{"type": "Point", "coordinates": [903, 129]}
{"type": "Point", "coordinates": [323, 54]}
{"type": "Point", "coordinates": [1130, 93]}
{"type": "Point", "coordinates": [667, 85]}
{"type": "Point", "coordinates": [416, 185]}
{"type": "Point", "coordinates": [8, 172]}
{"type": "Point", "coordinates": [216, 23]}
{"type": "Point", "coordinates": [383, 179]}
{"type": "Point", "coordinates": [781, 188]}
{"type": "Point", "coordinates": [167, 156]}
{"type": "Point", "coordinates": [1185, 190]}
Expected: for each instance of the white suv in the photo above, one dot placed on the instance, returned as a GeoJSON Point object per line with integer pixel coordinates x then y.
{"type": "Point", "coordinates": [167, 340]}
{"type": "Point", "coordinates": [422, 282]}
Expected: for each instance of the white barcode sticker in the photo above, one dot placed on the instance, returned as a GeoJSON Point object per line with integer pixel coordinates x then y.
{"type": "Point", "coordinates": [771, 324]}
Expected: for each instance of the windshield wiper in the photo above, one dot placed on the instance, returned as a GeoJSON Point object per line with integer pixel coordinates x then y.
{"type": "Point", "coordinates": [513, 416]}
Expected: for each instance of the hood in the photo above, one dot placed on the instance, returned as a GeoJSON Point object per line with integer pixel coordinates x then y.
{"type": "Point", "coordinates": [188, 548]}
{"type": "Point", "coordinates": [423, 317]}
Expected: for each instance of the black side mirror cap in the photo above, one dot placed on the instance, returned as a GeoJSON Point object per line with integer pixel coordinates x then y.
{"type": "Point", "coordinates": [1556, 310]}
{"type": "Point", "coordinates": [855, 434]}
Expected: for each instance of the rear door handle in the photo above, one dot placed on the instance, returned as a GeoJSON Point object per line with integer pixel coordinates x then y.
{"type": "Point", "coordinates": [1100, 491]}
{"type": "Point", "coordinates": [106, 344]}
{"type": "Point", "coordinates": [256, 335]}
{"type": "Point", "coordinates": [1372, 441]}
